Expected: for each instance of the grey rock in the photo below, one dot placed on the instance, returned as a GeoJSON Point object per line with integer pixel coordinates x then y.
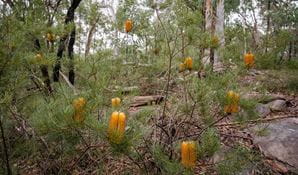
{"type": "Point", "coordinates": [280, 142]}
{"type": "Point", "coordinates": [277, 105]}
{"type": "Point", "coordinates": [262, 110]}
{"type": "Point", "coordinates": [220, 154]}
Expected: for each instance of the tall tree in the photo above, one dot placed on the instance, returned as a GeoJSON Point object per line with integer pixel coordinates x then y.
{"type": "Point", "coordinates": [268, 22]}
{"type": "Point", "coordinates": [219, 31]}
{"type": "Point", "coordinates": [214, 25]}
{"type": "Point", "coordinates": [208, 55]}
{"type": "Point", "coordinates": [68, 19]}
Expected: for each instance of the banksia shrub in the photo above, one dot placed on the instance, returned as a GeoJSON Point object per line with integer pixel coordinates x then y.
{"type": "Point", "coordinates": [188, 154]}
{"type": "Point", "coordinates": [188, 63]}
{"type": "Point", "coordinates": [232, 105]}
{"type": "Point", "coordinates": [128, 26]}
{"type": "Point", "coordinates": [116, 128]}
{"type": "Point", "coordinates": [79, 105]}
{"type": "Point", "coordinates": [116, 102]}
{"type": "Point", "coordinates": [249, 60]}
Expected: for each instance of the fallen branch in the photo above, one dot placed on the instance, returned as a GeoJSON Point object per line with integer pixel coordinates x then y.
{"type": "Point", "coordinates": [68, 83]}
{"type": "Point", "coordinates": [146, 100]}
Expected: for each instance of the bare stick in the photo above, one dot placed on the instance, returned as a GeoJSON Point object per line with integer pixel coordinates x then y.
{"type": "Point", "coordinates": [210, 125]}
{"type": "Point", "coordinates": [169, 71]}
{"type": "Point", "coordinates": [68, 83]}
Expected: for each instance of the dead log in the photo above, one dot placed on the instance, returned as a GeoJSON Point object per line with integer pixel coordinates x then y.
{"type": "Point", "coordinates": [146, 100]}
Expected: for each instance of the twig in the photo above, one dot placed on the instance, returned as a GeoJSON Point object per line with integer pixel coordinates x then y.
{"type": "Point", "coordinates": [161, 127]}
{"type": "Point", "coordinates": [169, 70]}
{"type": "Point", "coordinates": [80, 157]}
{"type": "Point", "coordinates": [210, 125]}
{"type": "Point", "coordinates": [193, 109]}
{"type": "Point", "coordinates": [146, 169]}
{"type": "Point", "coordinates": [135, 162]}
{"type": "Point", "coordinates": [18, 117]}
{"type": "Point", "coordinates": [170, 62]}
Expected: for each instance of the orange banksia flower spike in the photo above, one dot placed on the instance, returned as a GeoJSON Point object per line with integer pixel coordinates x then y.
{"type": "Point", "coordinates": [188, 63]}
{"type": "Point", "coordinates": [79, 105]}
{"type": "Point", "coordinates": [116, 102]}
{"type": "Point", "coordinates": [249, 60]}
{"type": "Point", "coordinates": [50, 37]}
{"type": "Point", "coordinates": [116, 128]}
{"type": "Point", "coordinates": [232, 105]}
{"type": "Point", "coordinates": [128, 25]}
{"type": "Point", "coordinates": [188, 154]}
{"type": "Point", "coordinates": [38, 57]}
{"type": "Point", "coordinates": [181, 67]}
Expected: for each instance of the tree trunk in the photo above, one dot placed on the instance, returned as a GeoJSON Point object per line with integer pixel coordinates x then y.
{"type": "Point", "coordinates": [290, 50]}
{"type": "Point", "coordinates": [44, 70]}
{"type": "Point", "coordinates": [255, 34]}
{"type": "Point", "coordinates": [295, 49]}
{"type": "Point", "coordinates": [5, 156]}
{"type": "Point", "coordinates": [71, 75]}
{"type": "Point", "coordinates": [203, 27]}
{"type": "Point", "coordinates": [219, 31]}
{"type": "Point", "coordinates": [208, 27]}
{"type": "Point", "coordinates": [69, 18]}
{"type": "Point", "coordinates": [90, 36]}
{"type": "Point", "coordinates": [268, 24]}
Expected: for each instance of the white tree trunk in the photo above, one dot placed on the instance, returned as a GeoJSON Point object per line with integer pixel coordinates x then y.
{"type": "Point", "coordinates": [219, 31]}
{"type": "Point", "coordinates": [90, 36]}
{"type": "Point", "coordinates": [208, 27]}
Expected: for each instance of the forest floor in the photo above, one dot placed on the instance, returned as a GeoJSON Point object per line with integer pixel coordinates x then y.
{"type": "Point", "coordinates": [255, 145]}
{"type": "Point", "coordinates": [273, 136]}
{"type": "Point", "coordinates": [274, 151]}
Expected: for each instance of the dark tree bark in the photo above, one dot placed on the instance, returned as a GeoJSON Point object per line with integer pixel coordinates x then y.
{"type": "Point", "coordinates": [6, 157]}
{"type": "Point", "coordinates": [44, 70]}
{"type": "Point", "coordinates": [71, 75]}
{"type": "Point", "coordinates": [203, 26]}
{"type": "Point", "coordinates": [268, 23]}
{"type": "Point", "coordinates": [68, 19]}
{"type": "Point", "coordinates": [9, 2]}
{"type": "Point", "coordinates": [290, 50]}
{"type": "Point", "coordinates": [212, 58]}
{"type": "Point", "coordinates": [203, 15]}
{"type": "Point", "coordinates": [295, 44]}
